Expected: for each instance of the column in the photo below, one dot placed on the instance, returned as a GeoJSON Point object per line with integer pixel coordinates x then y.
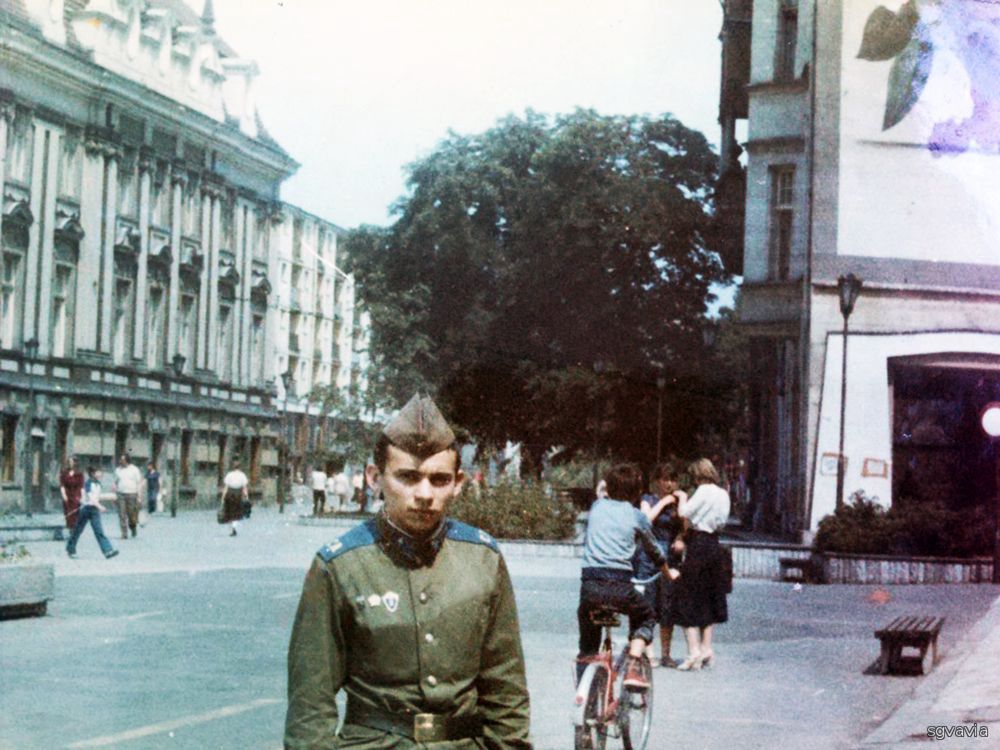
{"type": "Point", "coordinates": [240, 306]}
{"type": "Point", "coordinates": [107, 286]}
{"type": "Point", "coordinates": [88, 269]}
{"type": "Point", "coordinates": [30, 322]}
{"type": "Point", "coordinates": [206, 254]}
{"type": "Point", "coordinates": [271, 324]}
{"type": "Point", "coordinates": [213, 283]}
{"type": "Point", "coordinates": [178, 180]}
{"type": "Point", "coordinates": [47, 230]}
{"type": "Point", "coordinates": [6, 119]}
{"type": "Point", "coordinates": [246, 284]}
{"type": "Point", "coordinates": [139, 343]}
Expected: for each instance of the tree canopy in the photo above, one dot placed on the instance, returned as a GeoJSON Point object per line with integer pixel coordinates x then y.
{"type": "Point", "coordinates": [539, 273]}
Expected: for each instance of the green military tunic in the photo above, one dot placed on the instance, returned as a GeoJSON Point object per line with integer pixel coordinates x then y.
{"type": "Point", "coordinates": [406, 628]}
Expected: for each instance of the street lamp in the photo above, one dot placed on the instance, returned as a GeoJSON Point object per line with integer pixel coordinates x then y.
{"type": "Point", "coordinates": [848, 289]}
{"type": "Point", "coordinates": [599, 367]}
{"type": "Point", "coordinates": [30, 352]}
{"type": "Point", "coordinates": [661, 382]}
{"type": "Point", "coordinates": [178, 366]}
{"type": "Point", "coordinates": [989, 421]}
{"type": "Point", "coordinates": [287, 381]}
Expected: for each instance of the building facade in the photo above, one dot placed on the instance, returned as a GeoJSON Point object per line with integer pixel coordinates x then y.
{"type": "Point", "coordinates": [870, 149]}
{"type": "Point", "coordinates": [148, 300]}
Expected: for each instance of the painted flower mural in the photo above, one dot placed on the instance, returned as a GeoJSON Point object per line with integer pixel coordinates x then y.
{"type": "Point", "coordinates": [918, 32]}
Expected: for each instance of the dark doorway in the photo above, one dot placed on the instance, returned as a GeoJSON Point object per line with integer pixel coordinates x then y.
{"type": "Point", "coordinates": [36, 474]}
{"type": "Point", "coordinates": [939, 451]}
{"type": "Point", "coordinates": [121, 442]}
{"type": "Point", "coordinates": [156, 447]}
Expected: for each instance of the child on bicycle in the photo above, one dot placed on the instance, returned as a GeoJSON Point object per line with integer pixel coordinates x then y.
{"type": "Point", "coordinates": [614, 527]}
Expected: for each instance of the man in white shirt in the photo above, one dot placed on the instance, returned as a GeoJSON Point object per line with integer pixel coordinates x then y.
{"type": "Point", "coordinates": [319, 491]}
{"type": "Point", "coordinates": [342, 489]}
{"type": "Point", "coordinates": [128, 479]}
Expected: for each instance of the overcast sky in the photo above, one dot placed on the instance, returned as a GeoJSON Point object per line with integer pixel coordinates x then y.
{"type": "Point", "coordinates": [357, 90]}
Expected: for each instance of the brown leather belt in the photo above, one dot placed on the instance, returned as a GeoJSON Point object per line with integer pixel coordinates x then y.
{"type": "Point", "coordinates": [417, 727]}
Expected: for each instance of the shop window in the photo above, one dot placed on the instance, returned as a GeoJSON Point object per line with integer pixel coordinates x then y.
{"type": "Point", "coordinates": [9, 456]}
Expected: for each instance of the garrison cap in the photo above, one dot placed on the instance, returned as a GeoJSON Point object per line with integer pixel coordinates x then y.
{"type": "Point", "coordinates": [419, 428]}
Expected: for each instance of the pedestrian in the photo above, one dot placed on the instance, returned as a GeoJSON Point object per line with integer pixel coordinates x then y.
{"type": "Point", "coordinates": [71, 481]}
{"type": "Point", "coordinates": [410, 571]}
{"type": "Point", "coordinates": [342, 490]}
{"type": "Point", "coordinates": [127, 482]}
{"type": "Point", "coordinates": [360, 490]}
{"type": "Point", "coordinates": [234, 492]}
{"type": "Point", "coordinates": [90, 512]}
{"type": "Point", "coordinates": [319, 491]}
{"type": "Point", "coordinates": [152, 486]}
{"type": "Point", "coordinates": [660, 507]}
{"type": "Point", "coordinates": [700, 596]}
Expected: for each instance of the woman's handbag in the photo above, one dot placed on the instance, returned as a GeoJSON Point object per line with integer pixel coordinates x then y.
{"type": "Point", "coordinates": [246, 507]}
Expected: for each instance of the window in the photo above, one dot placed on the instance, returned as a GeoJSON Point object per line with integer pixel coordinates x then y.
{"type": "Point", "coordinates": [185, 339]}
{"type": "Point", "coordinates": [782, 207]}
{"type": "Point", "coordinates": [224, 344]}
{"type": "Point", "coordinates": [8, 459]}
{"type": "Point", "coordinates": [257, 349]}
{"type": "Point", "coordinates": [9, 298]}
{"type": "Point", "coordinates": [788, 32]}
{"type": "Point", "coordinates": [62, 310]}
{"type": "Point", "coordinates": [121, 320]}
{"type": "Point", "coordinates": [154, 328]}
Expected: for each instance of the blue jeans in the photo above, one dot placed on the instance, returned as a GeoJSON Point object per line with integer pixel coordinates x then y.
{"type": "Point", "coordinates": [92, 515]}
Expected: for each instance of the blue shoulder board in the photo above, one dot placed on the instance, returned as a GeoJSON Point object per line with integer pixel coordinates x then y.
{"type": "Point", "coordinates": [462, 532]}
{"type": "Point", "coordinates": [362, 535]}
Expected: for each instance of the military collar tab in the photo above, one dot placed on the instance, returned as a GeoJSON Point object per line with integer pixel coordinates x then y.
{"type": "Point", "coordinates": [362, 535]}
{"type": "Point", "coordinates": [407, 550]}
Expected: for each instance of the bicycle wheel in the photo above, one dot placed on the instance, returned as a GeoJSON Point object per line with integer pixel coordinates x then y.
{"type": "Point", "coordinates": [635, 711]}
{"type": "Point", "coordinates": [592, 733]}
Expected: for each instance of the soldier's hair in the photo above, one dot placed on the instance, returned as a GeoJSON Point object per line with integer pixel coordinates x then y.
{"type": "Point", "coordinates": [382, 452]}
{"type": "Point", "coordinates": [625, 483]}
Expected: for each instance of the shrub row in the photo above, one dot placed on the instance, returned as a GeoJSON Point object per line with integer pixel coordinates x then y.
{"type": "Point", "coordinates": [515, 511]}
{"type": "Point", "coordinates": [908, 528]}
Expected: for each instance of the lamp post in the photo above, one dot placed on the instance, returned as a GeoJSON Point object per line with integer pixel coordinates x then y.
{"type": "Point", "coordinates": [599, 368]}
{"type": "Point", "coordinates": [848, 289]}
{"type": "Point", "coordinates": [286, 485]}
{"type": "Point", "coordinates": [989, 421]}
{"type": "Point", "coordinates": [178, 366]}
{"type": "Point", "coordinates": [30, 352]}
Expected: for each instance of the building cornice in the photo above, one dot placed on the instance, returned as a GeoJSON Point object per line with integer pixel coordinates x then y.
{"type": "Point", "coordinates": [788, 144]}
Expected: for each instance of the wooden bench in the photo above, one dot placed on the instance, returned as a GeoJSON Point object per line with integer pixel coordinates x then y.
{"type": "Point", "coordinates": [804, 566]}
{"type": "Point", "coordinates": [908, 631]}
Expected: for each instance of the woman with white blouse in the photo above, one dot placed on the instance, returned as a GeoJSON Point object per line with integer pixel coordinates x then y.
{"type": "Point", "coordinates": [700, 597]}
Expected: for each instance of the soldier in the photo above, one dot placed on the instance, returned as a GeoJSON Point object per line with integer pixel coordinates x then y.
{"type": "Point", "coordinates": [411, 613]}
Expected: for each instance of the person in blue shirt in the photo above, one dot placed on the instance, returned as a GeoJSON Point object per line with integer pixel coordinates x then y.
{"type": "Point", "coordinates": [614, 528]}
{"type": "Point", "coordinates": [90, 512]}
{"type": "Point", "coordinates": [152, 486]}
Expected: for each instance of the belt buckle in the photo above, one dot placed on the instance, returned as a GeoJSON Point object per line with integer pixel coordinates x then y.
{"type": "Point", "coordinates": [429, 728]}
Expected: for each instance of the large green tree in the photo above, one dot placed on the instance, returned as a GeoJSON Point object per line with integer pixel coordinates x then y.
{"type": "Point", "coordinates": [537, 273]}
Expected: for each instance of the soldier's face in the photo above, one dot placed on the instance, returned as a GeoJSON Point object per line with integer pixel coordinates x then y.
{"type": "Point", "coordinates": [417, 491]}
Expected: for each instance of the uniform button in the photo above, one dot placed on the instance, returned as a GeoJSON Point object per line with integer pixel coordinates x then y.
{"type": "Point", "coordinates": [423, 597]}
{"type": "Point", "coordinates": [432, 680]}
{"type": "Point", "coordinates": [429, 638]}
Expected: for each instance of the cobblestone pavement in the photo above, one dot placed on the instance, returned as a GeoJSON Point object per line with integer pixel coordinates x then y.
{"type": "Point", "coordinates": [180, 642]}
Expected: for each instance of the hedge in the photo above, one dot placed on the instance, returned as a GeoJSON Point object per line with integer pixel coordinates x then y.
{"type": "Point", "coordinates": [515, 511]}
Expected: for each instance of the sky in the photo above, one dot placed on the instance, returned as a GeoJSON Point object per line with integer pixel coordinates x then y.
{"type": "Point", "coordinates": [355, 91]}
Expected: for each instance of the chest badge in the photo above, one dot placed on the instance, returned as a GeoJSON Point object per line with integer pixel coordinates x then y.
{"type": "Point", "coordinates": [391, 600]}
{"type": "Point", "coordinates": [374, 600]}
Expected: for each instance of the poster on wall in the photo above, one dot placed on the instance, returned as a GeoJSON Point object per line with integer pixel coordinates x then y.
{"type": "Point", "coordinates": [920, 130]}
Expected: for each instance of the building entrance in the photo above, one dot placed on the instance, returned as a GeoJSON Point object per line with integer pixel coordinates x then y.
{"type": "Point", "coordinates": [939, 451]}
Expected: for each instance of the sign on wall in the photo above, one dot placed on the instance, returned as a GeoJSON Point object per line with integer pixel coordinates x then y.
{"type": "Point", "coordinates": [920, 130]}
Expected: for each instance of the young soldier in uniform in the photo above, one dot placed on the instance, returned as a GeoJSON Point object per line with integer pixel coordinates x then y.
{"type": "Point", "coordinates": [412, 614]}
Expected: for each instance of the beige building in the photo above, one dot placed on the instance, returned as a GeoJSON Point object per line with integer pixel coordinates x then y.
{"type": "Point", "coordinates": [146, 303]}
{"type": "Point", "coordinates": [869, 149]}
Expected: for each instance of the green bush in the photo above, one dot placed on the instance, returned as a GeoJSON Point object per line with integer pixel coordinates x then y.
{"type": "Point", "coordinates": [515, 511]}
{"type": "Point", "coordinates": [921, 529]}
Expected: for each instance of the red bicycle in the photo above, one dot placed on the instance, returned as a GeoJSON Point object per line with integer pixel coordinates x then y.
{"type": "Point", "coordinates": [603, 707]}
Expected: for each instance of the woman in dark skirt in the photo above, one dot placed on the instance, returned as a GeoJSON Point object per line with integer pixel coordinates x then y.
{"type": "Point", "coordinates": [700, 593]}
{"type": "Point", "coordinates": [234, 492]}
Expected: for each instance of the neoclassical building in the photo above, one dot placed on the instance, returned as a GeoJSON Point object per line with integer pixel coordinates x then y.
{"type": "Point", "coordinates": [153, 286]}
{"type": "Point", "coordinates": [859, 139]}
